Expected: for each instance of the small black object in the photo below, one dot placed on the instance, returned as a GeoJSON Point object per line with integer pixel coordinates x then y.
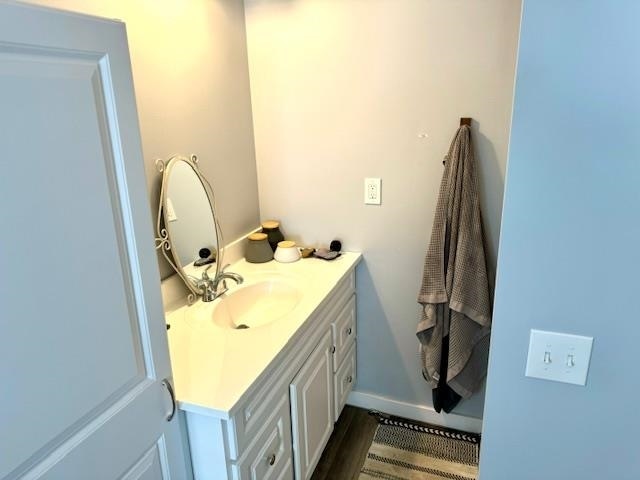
{"type": "Point", "coordinates": [335, 246]}
{"type": "Point", "coordinates": [242, 326]}
{"type": "Point", "coordinates": [168, 326]}
{"type": "Point", "coordinates": [205, 257]}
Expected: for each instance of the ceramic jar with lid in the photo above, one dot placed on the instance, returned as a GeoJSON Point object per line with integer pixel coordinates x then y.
{"type": "Point", "coordinates": [287, 252]}
{"type": "Point", "coordinates": [258, 249]}
{"type": "Point", "coordinates": [274, 235]}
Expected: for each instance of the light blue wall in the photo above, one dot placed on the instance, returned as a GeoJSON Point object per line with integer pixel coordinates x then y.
{"type": "Point", "coordinates": [569, 255]}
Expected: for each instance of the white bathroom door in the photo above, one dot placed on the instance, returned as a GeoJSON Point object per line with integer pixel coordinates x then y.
{"type": "Point", "coordinates": [83, 348]}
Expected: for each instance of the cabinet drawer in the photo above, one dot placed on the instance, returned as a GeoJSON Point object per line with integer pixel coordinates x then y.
{"type": "Point", "coordinates": [344, 380]}
{"type": "Point", "coordinates": [269, 455]}
{"type": "Point", "coordinates": [344, 332]}
{"type": "Point", "coordinates": [246, 423]}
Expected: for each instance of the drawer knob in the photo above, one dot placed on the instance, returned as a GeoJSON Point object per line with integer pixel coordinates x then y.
{"type": "Point", "coordinates": [333, 349]}
{"type": "Point", "coordinates": [272, 459]}
{"type": "Point", "coordinates": [349, 331]}
{"type": "Point", "coordinates": [349, 379]}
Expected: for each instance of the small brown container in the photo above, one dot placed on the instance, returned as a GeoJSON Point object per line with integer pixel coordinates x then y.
{"type": "Point", "coordinates": [274, 235]}
{"type": "Point", "coordinates": [258, 249]}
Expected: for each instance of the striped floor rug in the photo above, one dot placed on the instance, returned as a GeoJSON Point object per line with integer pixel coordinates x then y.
{"type": "Point", "coordinates": [403, 450]}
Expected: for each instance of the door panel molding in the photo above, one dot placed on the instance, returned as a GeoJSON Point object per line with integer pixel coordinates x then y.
{"type": "Point", "coordinates": [84, 358]}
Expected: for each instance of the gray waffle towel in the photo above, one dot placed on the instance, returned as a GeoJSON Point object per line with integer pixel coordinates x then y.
{"type": "Point", "coordinates": [455, 287]}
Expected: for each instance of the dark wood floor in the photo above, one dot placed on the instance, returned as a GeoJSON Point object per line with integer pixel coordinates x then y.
{"type": "Point", "coordinates": [347, 448]}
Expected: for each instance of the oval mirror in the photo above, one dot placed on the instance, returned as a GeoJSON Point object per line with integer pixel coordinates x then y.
{"type": "Point", "coordinates": [188, 231]}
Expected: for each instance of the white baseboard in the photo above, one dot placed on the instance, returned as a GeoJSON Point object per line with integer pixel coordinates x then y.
{"type": "Point", "coordinates": [421, 413]}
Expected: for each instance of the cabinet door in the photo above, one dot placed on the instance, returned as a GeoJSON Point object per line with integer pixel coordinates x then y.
{"type": "Point", "coordinates": [312, 408]}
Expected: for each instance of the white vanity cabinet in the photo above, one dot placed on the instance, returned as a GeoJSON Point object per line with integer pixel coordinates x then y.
{"type": "Point", "coordinates": [281, 424]}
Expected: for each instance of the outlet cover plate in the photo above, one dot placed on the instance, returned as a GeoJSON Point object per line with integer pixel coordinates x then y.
{"type": "Point", "coordinates": [560, 357]}
{"type": "Point", "coordinates": [372, 191]}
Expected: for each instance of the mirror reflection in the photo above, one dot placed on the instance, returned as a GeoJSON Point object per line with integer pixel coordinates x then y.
{"type": "Point", "coordinates": [191, 233]}
{"type": "Point", "coordinates": [190, 218]}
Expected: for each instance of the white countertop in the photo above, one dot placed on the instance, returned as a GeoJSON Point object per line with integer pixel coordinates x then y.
{"type": "Point", "coordinates": [214, 367]}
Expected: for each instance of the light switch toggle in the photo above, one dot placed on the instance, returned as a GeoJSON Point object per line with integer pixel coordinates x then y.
{"type": "Point", "coordinates": [547, 357]}
{"type": "Point", "coordinates": [571, 361]}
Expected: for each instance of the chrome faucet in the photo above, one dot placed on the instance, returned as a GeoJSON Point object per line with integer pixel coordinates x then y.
{"type": "Point", "coordinates": [210, 286]}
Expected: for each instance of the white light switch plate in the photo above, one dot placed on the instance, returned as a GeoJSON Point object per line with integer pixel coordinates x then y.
{"type": "Point", "coordinates": [171, 212]}
{"type": "Point", "coordinates": [559, 356]}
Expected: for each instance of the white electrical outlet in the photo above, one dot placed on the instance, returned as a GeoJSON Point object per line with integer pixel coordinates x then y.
{"type": "Point", "coordinates": [372, 191]}
{"type": "Point", "coordinates": [559, 356]}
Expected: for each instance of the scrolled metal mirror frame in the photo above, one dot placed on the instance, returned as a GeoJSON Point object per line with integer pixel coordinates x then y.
{"type": "Point", "coordinates": [163, 242]}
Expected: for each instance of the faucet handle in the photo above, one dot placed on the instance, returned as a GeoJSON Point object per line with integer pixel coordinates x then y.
{"type": "Point", "coordinates": [205, 275]}
{"type": "Point", "coordinates": [225, 267]}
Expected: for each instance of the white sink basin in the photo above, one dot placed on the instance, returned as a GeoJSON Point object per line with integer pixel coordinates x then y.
{"type": "Point", "coordinates": [256, 304]}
